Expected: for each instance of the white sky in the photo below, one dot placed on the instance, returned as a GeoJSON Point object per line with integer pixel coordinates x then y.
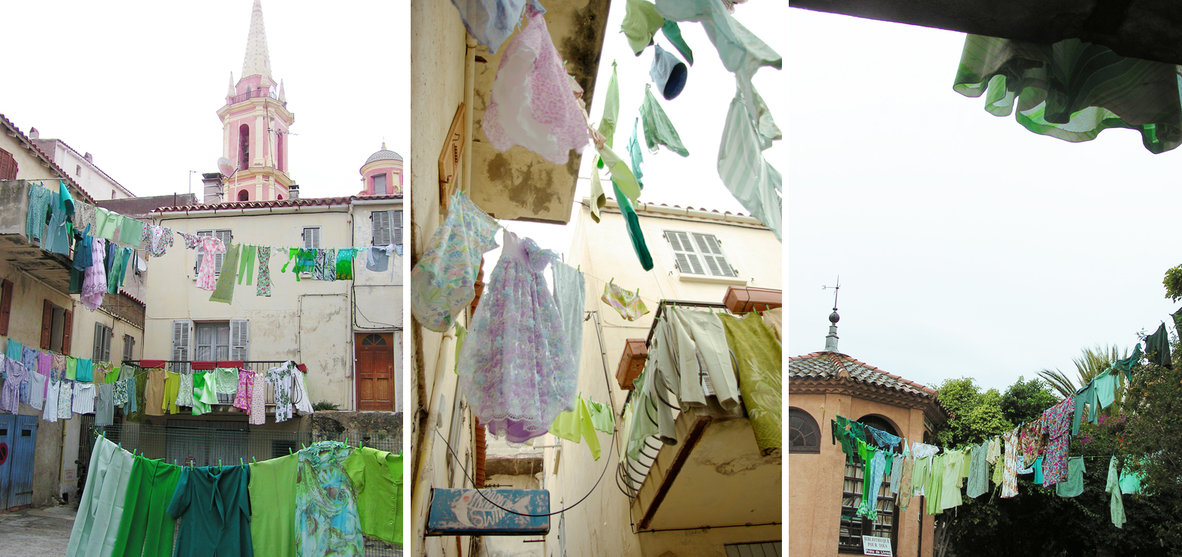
{"type": "Point", "coordinates": [138, 83]}
{"type": "Point", "coordinates": [966, 245]}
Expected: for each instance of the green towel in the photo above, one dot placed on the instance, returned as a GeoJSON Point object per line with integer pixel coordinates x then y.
{"type": "Point", "coordinates": [223, 291]}
{"type": "Point", "coordinates": [758, 356]}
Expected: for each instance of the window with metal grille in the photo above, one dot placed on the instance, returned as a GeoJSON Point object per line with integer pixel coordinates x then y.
{"type": "Point", "coordinates": [754, 549]}
{"type": "Point", "coordinates": [128, 347]}
{"type": "Point", "coordinates": [699, 254]}
{"type": "Point", "coordinates": [311, 237]}
{"type": "Point", "coordinates": [102, 342]}
{"type": "Point", "coordinates": [804, 436]}
{"type": "Point", "coordinates": [852, 526]}
{"type": "Point", "coordinates": [225, 236]}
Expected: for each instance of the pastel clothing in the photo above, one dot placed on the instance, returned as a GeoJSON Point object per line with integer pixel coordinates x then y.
{"type": "Point", "coordinates": [344, 263]}
{"type": "Point", "coordinates": [100, 509]}
{"type": "Point", "coordinates": [246, 264]}
{"type": "Point", "coordinates": [57, 238]}
{"type": "Point", "coordinates": [191, 240]}
{"type": "Point", "coordinates": [204, 392]}
{"type": "Point", "coordinates": [14, 375]}
{"type": "Point", "coordinates": [263, 287]}
{"type": "Point", "coordinates": [225, 380]}
{"type": "Point", "coordinates": [1009, 478]}
{"type": "Point", "coordinates": [1074, 484]}
{"type": "Point", "coordinates": [146, 529]}
{"type": "Point", "coordinates": [1030, 443]}
{"type": "Point", "coordinates": [532, 102]}
{"type": "Point", "coordinates": [159, 240]}
{"type": "Point", "coordinates": [105, 223]}
{"type": "Point", "coordinates": [245, 390]}
{"type": "Point", "coordinates": [627, 303]}
{"type": "Point", "coordinates": [40, 201]}
{"type": "Point", "coordinates": [84, 394]}
{"type": "Point", "coordinates": [326, 504]}
{"type": "Point", "coordinates": [94, 283]}
{"type": "Point", "coordinates": [978, 482]}
{"type": "Point", "coordinates": [119, 392]}
{"type": "Point", "coordinates": [209, 247]}
{"type": "Point", "coordinates": [300, 397]}
{"type": "Point", "coordinates": [104, 405]}
{"type": "Point", "coordinates": [52, 401]}
{"type": "Point", "coordinates": [1116, 505]}
{"type": "Point", "coordinates": [65, 400]}
{"type": "Point", "coordinates": [184, 396]}
{"type": "Point", "coordinates": [442, 283]}
{"type": "Point", "coordinates": [282, 383]}
{"type": "Point", "coordinates": [490, 22]}
{"type": "Point", "coordinates": [516, 368]}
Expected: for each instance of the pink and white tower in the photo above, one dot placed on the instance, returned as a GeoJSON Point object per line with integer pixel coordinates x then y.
{"type": "Point", "coordinates": [255, 123]}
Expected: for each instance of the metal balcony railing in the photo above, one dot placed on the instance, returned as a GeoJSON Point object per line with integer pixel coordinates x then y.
{"type": "Point", "coordinates": [257, 366]}
{"type": "Point", "coordinates": [256, 93]}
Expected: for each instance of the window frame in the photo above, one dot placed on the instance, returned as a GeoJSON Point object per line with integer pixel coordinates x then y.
{"type": "Point", "coordinates": [679, 240]}
{"type": "Point", "coordinates": [815, 432]}
{"type": "Point", "coordinates": [226, 235]}
{"type": "Point", "coordinates": [57, 324]}
{"type": "Point", "coordinates": [379, 230]}
{"type": "Point", "coordinates": [374, 184]}
{"type": "Point", "coordinates": [314, 242]}
{"type": "Point", "coordinates": [214, 345]}
{"type": "Point", "coordinates": [101, 344]}
{"type": "Point", "coordinates": [128, 348]}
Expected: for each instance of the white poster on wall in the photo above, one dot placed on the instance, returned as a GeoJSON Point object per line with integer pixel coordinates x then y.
{"type": "Point", "coordinates": [876, 545]}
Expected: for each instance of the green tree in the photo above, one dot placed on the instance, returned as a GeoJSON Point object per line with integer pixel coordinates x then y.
{"type": "Point", "coordinates": [1025, 400]}
{"type": "Point", "coordinates": [975, 415]}
{"type": "Point", "coordinates": [1090, 363]}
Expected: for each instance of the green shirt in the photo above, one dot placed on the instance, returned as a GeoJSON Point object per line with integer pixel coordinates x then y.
{"type": "Point", "coordinates": [377, 479]}
{"type": "Point", "coordinates": [145, 528]}
{"type": "Point", "coordinates": [214, 504]}
{"type": "Point", "coordinates": [272, 497]}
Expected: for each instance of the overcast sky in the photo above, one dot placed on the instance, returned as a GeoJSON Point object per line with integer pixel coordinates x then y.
{"type": "Point", "coordinates": [138, 83]}
{"type": "Point", "coordinates": [966, 245]}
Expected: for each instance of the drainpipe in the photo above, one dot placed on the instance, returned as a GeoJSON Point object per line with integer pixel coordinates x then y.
{"type": "Point", "coordinates": [425, 444]}
{"type": "Point", "coordinates": [469, 94]}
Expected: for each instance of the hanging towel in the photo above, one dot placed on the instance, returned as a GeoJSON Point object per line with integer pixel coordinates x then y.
{"type": "Point", "coordinates": [105, 223]}
{"type": "Point", "coordinates": [131, 232]}
{"type": "Point", "coordinates": [344, 263]}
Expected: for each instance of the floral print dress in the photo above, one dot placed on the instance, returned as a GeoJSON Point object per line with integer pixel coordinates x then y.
{"type": "Point", "coordinates": [516, 368]}
{"type": "Point", "coordinates": [281, 383]}
{"type": "Point", "coordinates": [209, 246]}
{"type": "Point", "coordinates": [442, 283]}
{"type": "Point", "coordinates": [1009, 477]}
{"type": "Point", "coordinates": [264, 284]}
{"type": "Point", "coordinates": [326, 518]}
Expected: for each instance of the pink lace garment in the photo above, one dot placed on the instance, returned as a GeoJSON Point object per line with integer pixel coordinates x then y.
{"type": "Point", "coordinates": [532, 102]}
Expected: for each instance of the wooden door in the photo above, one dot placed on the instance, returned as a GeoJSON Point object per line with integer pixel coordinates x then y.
{"type": "Point", "coordinates": [375, 371]}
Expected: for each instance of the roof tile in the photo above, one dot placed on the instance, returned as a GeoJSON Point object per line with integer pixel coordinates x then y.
{"type": "Point", "coordinates": [825, 365]}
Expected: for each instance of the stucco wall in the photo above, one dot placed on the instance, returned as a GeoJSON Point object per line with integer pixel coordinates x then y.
{"type": "Point", "coordinates": [814, 500]}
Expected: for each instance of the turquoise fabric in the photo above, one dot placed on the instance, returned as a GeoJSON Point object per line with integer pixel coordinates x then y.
{"type": "Point", "coordinates": [57, 238]}
{"type": "Point", "coordinates": [327, 522]}
{"type": "Point", "coordinates": [213, 504]}
{"type": "Point", "coordinates": [40, 204]}
{"type": "Point", "coordinates": [100, 510]}
{"type": "Point", "coordinates": [1075, 478]}
{"type": "Point", "coordinates": [673, 33]}
{"type": "Point", "coordinates": [635, 234]}
{"type": "Point", "coordinates": [658, 129]}
{"type": "Point", "coordinates": [1130, 482]}
{"type": "Point", "coordinates": [1116, 505]}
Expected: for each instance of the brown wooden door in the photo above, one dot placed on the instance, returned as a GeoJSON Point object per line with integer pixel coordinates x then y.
{"type": "Point", "coordinates": [375, 371]}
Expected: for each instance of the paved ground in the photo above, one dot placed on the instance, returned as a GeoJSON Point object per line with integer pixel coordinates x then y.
{"type": "Point", "coordinates": [36, 532]}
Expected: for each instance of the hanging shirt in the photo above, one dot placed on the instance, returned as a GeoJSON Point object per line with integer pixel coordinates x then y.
{"type": "Point", "coordinates": [131, 232]}
{"type": "Point", "coordinates": [84, 394]}
{"type": "Point", "coordinates": [159, 240]}
{"type": "Point", "coordinates": [326, 506]}
{"type": "Point", "coordinates": [258, 399]}
{"type": "Point", "coordinates": [658, 129]}
{"type": "Point", "coordinates": [273, 503]}
{"type": "Point", "coordinates": [40, 203]}
{"type": "Point", "coordinates": [281, 382]}
{"type": "Point", "coordinates": [1009, 485]}
{"type": "Point", "coordinates": [14, 375]}
{"type": "Point", "coordinates": [299, 396]}
{"type": "Point", "coordinates": [377, 480]}
{"type": "Point", "coordinates": [100, 509]}
{"type": "Point", "coordinates": [192, 241]}
{"type": "Point", "coordinates": [146, 529]}
{"type": "Point", "coordinates": [377, 258]}
{"type": "Point", "coordinates": [1116, 505]}
{"type": "Point", "coordinates": [104, 405]}
{"type": "Point", "coordinates": [225, 380]}
{"type": "Point", "coordinates": [52, 393]}
{"type": "Point", "coordinates": [214, 505]}
{"type": "Point", "coordinates": [209, 246]}
{"type": "Point", "coordinates": [204, 392]}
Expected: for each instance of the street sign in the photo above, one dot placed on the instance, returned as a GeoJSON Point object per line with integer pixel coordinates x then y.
{"type": "Point", "coordinates": [488, 512]}
{"type": "Point", "coordinates": [876, 545]}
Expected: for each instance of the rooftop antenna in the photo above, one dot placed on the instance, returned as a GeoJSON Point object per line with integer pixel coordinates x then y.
{"type": "Point", "coordinates": [831, 338]}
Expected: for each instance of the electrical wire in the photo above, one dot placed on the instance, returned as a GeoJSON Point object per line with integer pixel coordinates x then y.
{"type": "Point", "coordinates": [607, 461]}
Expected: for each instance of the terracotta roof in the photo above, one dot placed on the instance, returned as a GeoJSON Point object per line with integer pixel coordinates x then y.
{"type": "Point", "coordinates": [45, 159]}
{"type": "Point", "coordinates": [141, 206]}
{"type": "Point", "coordinates": [300, 202]}
{"type": "Point", "coordinates": [826, 365]}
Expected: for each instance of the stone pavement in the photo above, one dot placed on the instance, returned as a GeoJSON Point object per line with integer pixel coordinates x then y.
{"type": "Point", "coordinates": [36, 532]}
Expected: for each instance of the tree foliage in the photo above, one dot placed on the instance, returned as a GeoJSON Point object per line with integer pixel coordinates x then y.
{"type": "Point", "coordinates": [1025, 400]}
{"type": "Point", "coordinates": [976, 415]}
{"type": "Point", "coordinates": [1090, 363]}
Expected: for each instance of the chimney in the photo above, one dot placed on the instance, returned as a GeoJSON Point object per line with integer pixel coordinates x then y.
{"type": "Point", "coordinates": [34, 134]}
{"type": "Point", "coordinates": [89, 157]}
{"type": "Point", "coordinates": [213, 187]}
{"type": "Point", "coordinates": [293, 191]}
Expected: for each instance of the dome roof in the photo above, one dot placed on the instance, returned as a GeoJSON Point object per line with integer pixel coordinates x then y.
{"type": "Point", "coordinates": [383, 155]}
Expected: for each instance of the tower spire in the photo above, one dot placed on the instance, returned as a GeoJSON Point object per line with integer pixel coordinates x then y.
{"type": "Point", "coordinates": [257, 61]}
{"type": "Point", "coordinates": [831, 338]}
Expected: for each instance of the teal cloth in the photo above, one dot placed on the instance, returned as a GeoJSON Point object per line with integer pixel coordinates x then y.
{"type": "Point", "coordinates": [634, 231]}
{"type": "Point", "coordinates": [57, 238]}
{"type": "Point", "coordinates": [1116, 505]}
{"type": "Point", "coordinates": [1157, 347]}
{"type": "Point", "coordinates": [223, 291]}
{"type": "Point", "coordinates": [658, 129]}
{"type": "Point", "coordinates": [673, 33]}
{"type": "Point", "coordinates": [344, 263]}
{"type": "Point", "coordinates": [1074, 484]}
{"type": "Point", "coordinates": [754, 182]}
{"type": "Point", "coordinates": [131, 231]}
{"type": "Point", "coordinates": [246, 264]}
{"type": "Point", "coordinates": [635, 154]}
{"type": "Point", "coordinates": [740, 50]}
{"type": "Point", "coordinates": [1105, 389]}
{"type": "Point", "coordinates": [1130, 482]}
{"type": "Point", "coordinates": [1038, 479]}
{"type": "Point", "coordinates": [118, 270]}
{"type": "Point", "coordinates": [978, 482]}
{"type": "Point", "coordinates": [40, 204]}
{"type": "Point", "coordinates": [1083, 397]}
{"type": "Point", "coordinates": [85, 373]}
{"type": "Point", "coordinates": [213, 504]}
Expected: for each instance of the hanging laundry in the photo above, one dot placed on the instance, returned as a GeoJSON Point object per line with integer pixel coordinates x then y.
{"type": "Point", "coordinates": [578, 425]}
{"type": "Point", "coordinates": [627, 303]}
{"type": "Point", "coordinates": [258, 409]}
{"type": "Point", "coordinates": [668, 73]}
{"type": "Point", "coordinates": [569, 294]}
{"type": "Point", "coordinates": [223, 291]}
{"type": "Point", "coordinates": [118, 270]}
{"type": "Point", "coordinates": [305, 261]}
{"type": "Point", "coordinates": [1116, 505]}
{"type": "Point", "coordinates": [754, 182]}
{"type": "Point", "coordinates": [184, 396]}
{"type": "Point", "coordinates": [244, 391]}
{"type": "Point", "coordinates": [532, 103]}
{"type": "Point", "coordinates": [1074, 484]}
{"type": "Point", "coordinates": [154, 393]}
{"type": "Point", "coordinates": [85, 370]}
{"type": "Point", "coordinates": [1093, 89]}
{"type": "Point", "coordinates": [282, 383]}
{"type": "Point", "coordinates": [377, 258]}
{"type": "Point", "coordinates": [775, 319]}
{"type": "Point", "coordinates": [65, 400]}
{"type": "Point", "coordinates": [1056, 422]}
{"type": "Point", "coordinates": [246, 264]}
{"type": "Point", "coordinates": [225, 380]}
{"type": "Point", "coordinates": [320, 267]}
{"type": "Point", "coordinates": [871, 482]}
{"type": "Point", "coordinates": [757, 356]}
{"type": "Point", "coordinates": [1127, 364]}
{"type": "Point", "coordinates": [94, 285]}
{"type": "Point", "coordinates": [606, 131]}
{"type": "Point", "coordinates": [204, 393]}
{"type": "Point", "coordinates": [37, 218]}
{"type": "Point", "coordinates": [1157, 347]}
{"type": "Point", "coordinates": [264, 285]}
{"type": "Point", "coordinates": [344, 263]}
{"type": "Point", "coordinates": [104, 405]}
{"type": "Point", "coordinates": [1009, 485]}
{"type": "Point", "coordinates": [172, 390]}
{"type": "Point", "coordinates": [214, 507]}
{"type": "Point", "coordinates": [272, 490]}
{"type": "Point", "coordinates": [326, 505]}
{"type": "Point", "coordinates": [652, 416]}
{"type": "Point", "coordinates": [131, 232]}
{"type": "Point", "coordinates": [209, 246]}
{"type": "Point", "coordinates": [978, 482]}
{"type": "Point", "coordinates": [442, 283]}
{"type": "Point", "coordinates": [740, 50]}
{"type": "Point", "coordinates": [690, 349]}
{"type": "Point", "coordinates": [84, 394]}
{"type": "Point", "coordinates": [377, 479]}
{"type": "Point", "coordinates": [106, 223]}
{"type": "Point", "coordinates": [673, 33]}
{"type": "Point", "coordinates": [119, 393]}
{"type": "Point", "coordinates": [635, 154]}
{"type": "Point", "coordinates": [145, 528]}
{"type": "Point", "coordinates": [658, 129]}
{"type": "Point", "coordinates": [57, 238]}
{"type": "Point", "coordinates": [1130, 482]}
{"type": "Point", "coordinates": [192, 241]}
{"type": "Point", "coordinates": [516, 370]}
{"type": "Point", "coordinates": [14, 375]}
{"type": "Point", "coordinates": [100, 509]}
{"type": "Point", "coordinates": [300, 397]}
{"type": "Point", "coordinates": [490, 22]}
{"type": "Point", "coordinates": [52, 401]}
{"type": "Point", "coordinates": [159, 240]}
{"type": "Point", "coordinates": [641, 22]}
{"type": "Point", "coordinates": [83, 216]}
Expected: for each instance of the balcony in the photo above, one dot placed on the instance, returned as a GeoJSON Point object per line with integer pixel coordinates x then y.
{"type": "Point", "coordinates": [16, 249]}
{"type": "Point", "coordinates": [222, 409]}
{"type": "Point", "coordinates": [715, 452]}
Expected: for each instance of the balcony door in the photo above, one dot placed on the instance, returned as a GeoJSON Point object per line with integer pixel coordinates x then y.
{"type": "Point", "coordinates": [375, 371]}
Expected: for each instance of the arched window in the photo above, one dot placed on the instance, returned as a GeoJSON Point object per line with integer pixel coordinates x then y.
{"type": "Point", "coordinates": [243, 195]}
{"type": "Point", "coordinates": [279, 153]}
{"type": "Point", "coordinates": [803, 434]}
{"type": "Point", "coordinates": [243, 147]}
{"type": "Point", "coordinates": [373, 340]}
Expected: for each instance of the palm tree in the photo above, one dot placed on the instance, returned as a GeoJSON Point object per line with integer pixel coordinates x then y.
{"type": "Point", "coordinates": [1090, 363]}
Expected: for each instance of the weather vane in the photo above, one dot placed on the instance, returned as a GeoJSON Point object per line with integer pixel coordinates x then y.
{"type": "Point", "coordinates": [836, 289]}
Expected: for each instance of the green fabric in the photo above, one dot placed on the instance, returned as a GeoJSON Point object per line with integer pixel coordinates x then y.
{"type": "Point", "coordinates": [204, 392]}
{"type": "Point", "coordinates": [224, 290]}
{"type": "Point", "coordinates": [344, 263]}
{"type": "Point", "coordinates": [272, 502]}
{"type": "Point", "coordinates": [326, 504]}
{"type": "Point", "coordinates": [1105, 389]}
{"type": "Point", "coordinates": [641, 21]}
{"type": "Point", "coordinates": [246, 264]}
{"type": "Point", "coordinates": [214, 505]}
{"type": "Point", "coordinates": [1074, 484]}
{"type": "Point", "coordinates": [1130, 482]}
{"type": "Point", "coordinates": [1038, 479]}
{"type": "Point", "coordinates": [869, 503]}
{"type": "Point", "coordinates": [100, 509]}
{"type": "Point", "coordinates": [377, 479]}
{"type": "Point", "coordinates": [118, 270]}
{"type": "Point", "coordinates": [1082, 398]}
{"type": "Point", "coordinates": [935, 484]}
{"type": "Point", "coordinates": [757, 354]}
{"type": "Point", "coordinates": [1073, 90]}
{"type": "Point", "coordinates": [131, 231]}
{"type": "Point", "coordinates": [71, 368]}
{"type": "Point", "coordinates": [146, 529]}
{"type": "Point", "coordinates": [998, 470]}
{"type": "Point", "coordinates": [601, 417]}
{"type": "Point", "coordinates": [951, 479]}
{"type": "Point", "coordinates": [635, 155]}
{"type": "Point", "coordinates": [461, 334]}
{"type": "Point", "coordinates": [1116, 505]}
{"type": "Point", "coordinates": [141, 385]}
{"type": "Point", "coordinates": [673, 33]}
{"type": "Point", "coordinates": [621, 175]}
{"type": "Point", "coordinates": [751, 179]}
{"type": "Point", "coordinates": [111, 373]}
{"type": "Point", "coordinates": [978, 482]}
{"type": "Point", "coordinates": [635, 234]}
{"type": "Point", "coordinates": [1157, 347]}
{"type": "Point", "coordinates": [658, 129]}
{"type": "Point", "coordinates": [597, 198]}
{"type": "Point", "coordinates": [611, 112]}
{"type": "Point", "coordinates": [576, 425]}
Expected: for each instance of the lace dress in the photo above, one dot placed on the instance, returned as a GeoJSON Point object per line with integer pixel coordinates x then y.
{"type": "Point", "coordinates": [517, 370]}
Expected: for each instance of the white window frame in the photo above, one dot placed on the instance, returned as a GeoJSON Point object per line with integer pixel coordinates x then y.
{"type": "Point", "coordinates": [216, 344]}
{"type": "Point", "coordinates": [311, 237]}
{"type": "Point", "coordinates": [226, 235]}
{"type": "Point", "coordinates": [101, 349]}
{"type": "Point", "coordinates": [699, 254]}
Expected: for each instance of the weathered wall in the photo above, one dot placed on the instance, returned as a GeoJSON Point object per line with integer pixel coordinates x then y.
{"type": "Point", "coordinates": [369, 428]}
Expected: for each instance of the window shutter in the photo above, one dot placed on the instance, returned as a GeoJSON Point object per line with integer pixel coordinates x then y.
{"type": "Point", "coordinates": [239, 339]}
{"type": "Point", "coordinates": [711, 251]}
{"type": "Point", "coordinates": [181, 332]}
{"type": "Point", "coordinates": [8, 166]}
{"type": "Point", "coordinates": [96, 351]}
{"type": "Point", "coordinates": [381, 228]}
{"type": "Point", "coordinates": [311, 237]}
{"type": "Point", "coordinates": [67, 332]}
{"type": "Point", "coordinates": [5, 305]}
{"type": "Point", "coordinates": [107, 334]}
{"type": "Point", "coordinates": [397, 227]}
{"type": "Point", "coordinates": [46, 324]}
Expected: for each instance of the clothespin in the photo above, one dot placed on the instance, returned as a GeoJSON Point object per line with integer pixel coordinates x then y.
{"type": "Point", "coordinates": [255, 460]}
{"type": "Point", "coordinates": [219, 462]}
{"type": "Point", "coordinates": [289, 450]}
{"type": "Point", "coordinates": [240, 463]}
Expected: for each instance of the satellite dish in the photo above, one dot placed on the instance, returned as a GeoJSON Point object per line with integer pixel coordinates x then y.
{"type": "Point", "coordinates": [225, 167]}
